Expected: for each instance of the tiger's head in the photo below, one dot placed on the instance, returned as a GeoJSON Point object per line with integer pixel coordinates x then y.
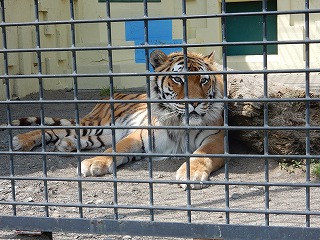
{"type": "Point", "coordinates": [171, 87]}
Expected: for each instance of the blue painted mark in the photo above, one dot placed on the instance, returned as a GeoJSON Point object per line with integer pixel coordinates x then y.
{"type": "Point", "coordinates": [160, 32]}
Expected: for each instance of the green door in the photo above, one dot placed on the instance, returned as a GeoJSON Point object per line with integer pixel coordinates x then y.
{"type": "Point", "coordinates": [249, 28]}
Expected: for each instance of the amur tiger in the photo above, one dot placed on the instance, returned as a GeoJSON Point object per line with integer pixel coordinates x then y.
{"type": "Point", "coordinates": [165, 113]}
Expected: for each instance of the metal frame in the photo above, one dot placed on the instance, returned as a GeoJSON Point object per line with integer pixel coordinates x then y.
{"type": "Point", "coordinates": [152, 227]}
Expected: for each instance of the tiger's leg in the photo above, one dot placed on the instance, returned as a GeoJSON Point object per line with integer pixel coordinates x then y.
{"type": "Point", "coordinates": [101, 165]}
{"type": "Point", "coordinates": [29, 140]}
{"type": "Point", "coordinates": [201, 167]}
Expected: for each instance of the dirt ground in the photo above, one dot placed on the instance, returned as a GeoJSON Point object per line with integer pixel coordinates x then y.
{"type": "Point", "coordinates": [242, 197]}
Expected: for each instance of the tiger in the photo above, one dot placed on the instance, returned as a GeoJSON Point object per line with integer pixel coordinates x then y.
{"type": "Point", "coordinates": [134, 112]}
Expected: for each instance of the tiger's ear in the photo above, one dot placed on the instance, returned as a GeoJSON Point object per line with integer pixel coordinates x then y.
{"type": "Point", "coordinates": [210, 57]}
{"type": "Point", "coordinates": [157, 57]}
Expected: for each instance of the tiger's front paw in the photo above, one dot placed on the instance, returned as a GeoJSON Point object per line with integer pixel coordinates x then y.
{"type": "Point", "coordinates": [22, 143]}
{"type": "Point", "coordinates": [96, 166]}
{"type": "Point", "coordinates": [198, 172]}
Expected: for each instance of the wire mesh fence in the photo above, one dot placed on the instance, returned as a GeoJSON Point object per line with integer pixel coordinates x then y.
{"type": "Point", "coordinates": [42, 189]}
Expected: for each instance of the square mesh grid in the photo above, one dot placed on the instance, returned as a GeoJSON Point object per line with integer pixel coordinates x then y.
{"type": "Point", "coordinates": [42, 187]}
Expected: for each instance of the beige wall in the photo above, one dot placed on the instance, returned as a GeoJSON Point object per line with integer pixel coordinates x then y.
{"type": "Point", "coordinates": [291, 27]}
{"type": "Point", "coordinates": [24, 37]}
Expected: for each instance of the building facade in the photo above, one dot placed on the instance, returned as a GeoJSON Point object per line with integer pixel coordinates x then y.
{"type": "Point", "coordinates": [284, 28]}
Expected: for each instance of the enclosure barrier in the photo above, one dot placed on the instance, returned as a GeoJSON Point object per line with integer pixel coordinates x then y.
{"type": "Point", "coordinates": [41, 190]}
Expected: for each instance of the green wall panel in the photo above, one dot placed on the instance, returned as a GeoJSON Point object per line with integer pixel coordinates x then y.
{"type": "Point", "coordinates": [249, 28]}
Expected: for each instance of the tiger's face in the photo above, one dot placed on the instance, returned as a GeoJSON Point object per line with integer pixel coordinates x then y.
{"type": "Point", "coordinates": [201, 86]}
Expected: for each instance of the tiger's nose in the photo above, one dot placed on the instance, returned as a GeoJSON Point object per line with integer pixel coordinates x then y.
{"type": "Point", "coordinates": [194, 104]}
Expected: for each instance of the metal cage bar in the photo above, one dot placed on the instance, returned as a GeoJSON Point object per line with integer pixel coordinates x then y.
{"type": "Point", "coordinates": [117, 224]}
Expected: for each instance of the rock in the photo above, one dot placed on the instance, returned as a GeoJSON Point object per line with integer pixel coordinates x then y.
{"type": "Point", "coordinates": [30, 189]}
{"type": "Point", "coordinates": [99, 201]}
{"type": "Point", "coordinates": [29, 199]}
{"type": "Point", "coordinates": [235, 196]}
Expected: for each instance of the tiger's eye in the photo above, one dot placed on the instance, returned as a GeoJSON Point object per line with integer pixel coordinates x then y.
{"type": "Point", "coordinates": [204, 81]}
{"type": "Point", "coordinates": [177, 80]}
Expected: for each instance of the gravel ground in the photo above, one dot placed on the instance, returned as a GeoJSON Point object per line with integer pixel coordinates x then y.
{"type": "Point", "coordinates": [240, 170]}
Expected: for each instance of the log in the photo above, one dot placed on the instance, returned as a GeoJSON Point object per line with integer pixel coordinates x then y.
{"type": "Point", "coordinates": [280, 114]}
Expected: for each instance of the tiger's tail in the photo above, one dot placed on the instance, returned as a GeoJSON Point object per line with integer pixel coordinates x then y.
{"type": "Point", "coordinates": [49, 121]}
